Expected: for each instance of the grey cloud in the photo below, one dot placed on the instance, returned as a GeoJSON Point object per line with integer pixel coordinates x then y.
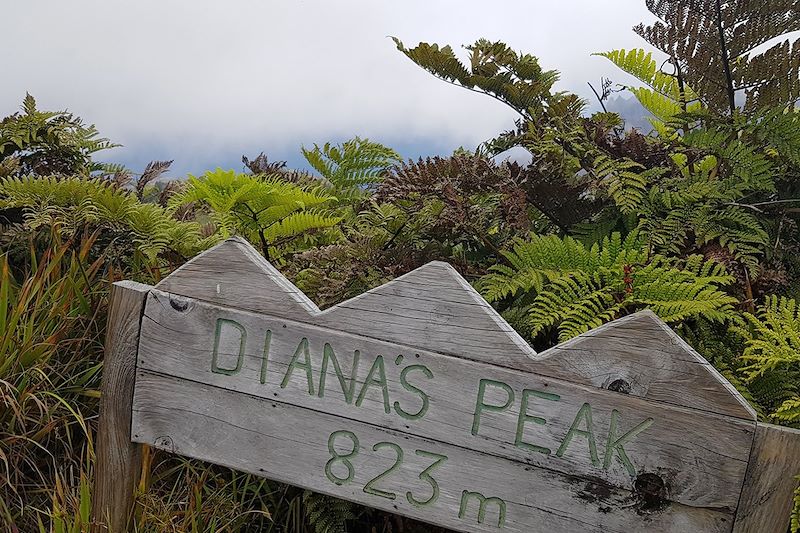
{"type": "Point", "coordinates": [217, 77]}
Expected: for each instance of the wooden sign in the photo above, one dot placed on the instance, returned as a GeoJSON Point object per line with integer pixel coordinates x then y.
{"type": "Point", "coordinates": [418, 398]}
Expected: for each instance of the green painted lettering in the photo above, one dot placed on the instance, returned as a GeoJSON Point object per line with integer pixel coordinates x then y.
{"type": "Point", "coordinates": [584, 414]}
{"type": "Point", "coordinates": [215, 367]}
{"type": "Point", "coordinates": [481, 405]}
{"type": "Point", "coordinates": [411, 388]}
{"type": "Point", "coordinates": [425, 475]}
{"type": "Point", "coordinates": [615, 443]}
{"type": "Point", "coordinates": [347, 389]}
{"type": "Point", "coordinates": [483, 504]}
{"type": "Point", "coordinates": [369, 488]}
{"type": "Point", "coordinates": [524, 417]}
{"type": "Point", "coordinates": [265, 357]}
{"type": "Point", "coordinates": [302, 348]}
{"type": "Point", "coordinates": [378, 367]}
{"type": "Point", "coordinates": [343, 458]}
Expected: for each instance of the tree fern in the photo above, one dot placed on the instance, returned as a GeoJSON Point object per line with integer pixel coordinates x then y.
{"type": "Point", "coordinates": [265, 209]}
{"type": "Point", "coordinates": [494, 69]}
{"type": "Point", "coordinates": [560, 283]}
{"type": "Point", "coordinates": [351, 167]}
{"type": "Point", "coordinates": [626, 181]}
{"type": "Point", "coordinates": [665, 96]}
{"type": "Point", "coordinates": [51, 142]}
{"type": "Point", "coordinates": [772, 355]}
{"type": "Point", "coordinates": [717, 48]}
{"type": "Point", "coordinates": [75, 204]}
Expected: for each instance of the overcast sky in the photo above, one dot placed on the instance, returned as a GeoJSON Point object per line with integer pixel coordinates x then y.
{"type": "Point", "coordinates": [204, 82]}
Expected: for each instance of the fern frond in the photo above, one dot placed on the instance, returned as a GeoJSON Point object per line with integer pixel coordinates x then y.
{"type": "Point", "coordinates": [560, 283]}
{"type": "Point", "coordinates": [266, 209]}
{"type": "Point", "coordinates": [327, 514]}
{"type": "Point", "coordinates": [351, 167]}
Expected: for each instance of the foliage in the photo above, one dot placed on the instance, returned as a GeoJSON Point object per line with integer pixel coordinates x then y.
{"type": "Point", "coordinates": [665, 96]}
{"type": "Point", "coordinates": [49, 142]}
{"type": "Point", "coordinates": [696, 221]}
{"type": "Point", "coordinates": [461, 209]}
{"type": "Point", "coordinates": [51, 326]}
{"type": "Point", "coordinates": [350, 169]}
{"type": "Point", "coordinates": [772, 356]}
{"type": "Point", "coordinates": [561, 284]}
{"type": "Point", "coordinates": [513, 78]}
{"type": "Point", "coordinates": [266, 209]}
{"type": "Point", "coordinates": [716, 47]}
{"type": "Point", "coordinates": [550, 127]}
{"type": "Point", "coordinates": [128, 230]}
{"type": "Point", "coordinates": [326, 514]}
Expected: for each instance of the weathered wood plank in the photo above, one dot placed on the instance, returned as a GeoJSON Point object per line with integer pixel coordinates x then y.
{"type": "Point", "coordinates": [770, 482]}
{"type": "Point", "coordinates": [624, 428]}
{"type": "Point", "coordinates": [118, 460]}
{"type": "Point", "coordinates": [641, 355]}
{"type": "Point", "coordinates": [292, 444]}
{"type": "Point", "coordinates": [433, 308]}
{"type": "Point", "coordinates": [234, 273]}
{"type": "Point", "coordinates": [232, 349]}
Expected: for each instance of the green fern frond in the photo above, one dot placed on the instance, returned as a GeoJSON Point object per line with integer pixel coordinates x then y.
{"type": "Point", "coordinates": [76, 204]}
{"type": "Point", "coordinates": [664, 96]}
{"type": "Point", "coordinates": [495, 69]}
{"type": "Point", "coordinates": [351, 167]}
{"type": "Point", "coordinates": [265, 209]}
{"type": "Point", "coordinates": [327, 514]}
{"type": "Point", "coordinates": [561, 284]}
{"type": "Point", "coordinates": [625, 180]}
{"type": "Point", "coordinates": [772, 357]}
{"type": "Point", "coordinates": [789, 411]}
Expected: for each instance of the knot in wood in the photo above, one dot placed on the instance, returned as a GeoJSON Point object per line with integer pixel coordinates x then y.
{"type": "Point", "coordinates": [620, 385]}
{"type": "Point", "coordinates": [165, 443]}
{"type": "Point", "coordinates": [178, 305]}
{"type": "Point", "coordinates": [651, 492]}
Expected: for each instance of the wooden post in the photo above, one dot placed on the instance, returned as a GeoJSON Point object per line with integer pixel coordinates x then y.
{"type": "Point", "coordinates": [118, 459]}
{"type": "Point", "coordinates": [766, 500]}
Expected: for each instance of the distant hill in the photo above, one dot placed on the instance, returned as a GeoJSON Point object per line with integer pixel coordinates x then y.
{"type": "Point", "coordinates": [629, 108]}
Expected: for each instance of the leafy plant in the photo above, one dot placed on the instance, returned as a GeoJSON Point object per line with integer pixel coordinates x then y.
{"type": "Point", "coordinates": [327, 514]}
{"type": "Point", "coordinates": [49, 142]}
{"type": "Point", "coordinates": [265, 209]}
{"type": "Point", "coordinates": [561, 284]}
{"type": "Point", "coordinates": [50, 351]}
{"type": "Point", "coordinates": [351, 169]}
{"type": "Point", "coordinates": [715, 48]}
{"type": "Point", "coordinates": [665, 95]}
{"type": "Point", "coordinates": [772, 356]}
{"type": "Point", "coordinates": [128, 231]}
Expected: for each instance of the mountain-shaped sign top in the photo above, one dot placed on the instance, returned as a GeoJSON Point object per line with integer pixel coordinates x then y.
{"type": "Point", "coordinates": [434, 308]}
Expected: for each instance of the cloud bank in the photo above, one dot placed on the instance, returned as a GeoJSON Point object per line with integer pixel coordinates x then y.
{"type": "Point", "coordinates": [204, 82]}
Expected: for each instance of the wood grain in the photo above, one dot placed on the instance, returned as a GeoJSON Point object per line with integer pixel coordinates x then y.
{"type": "Point", "coordinates": [233, 271]}
{"type": "Point", "coordinates": [290, 444]}
{"type": "Point", "coordinates": [770, 482]}
{"type": "Point", "coordinates": [645, 357]}
{"type": "Point", "coordinates": [433, 308]}
{"type": "Point", "coordinates": [238, 367]}
{"type": "Point", "coordinates": [118, 459]}
{"type": "Point", "coordinates": [178, 340]}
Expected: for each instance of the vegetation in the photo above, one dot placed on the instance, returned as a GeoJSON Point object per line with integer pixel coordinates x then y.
{"type": "Point", "coordinates": [696, 220]}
